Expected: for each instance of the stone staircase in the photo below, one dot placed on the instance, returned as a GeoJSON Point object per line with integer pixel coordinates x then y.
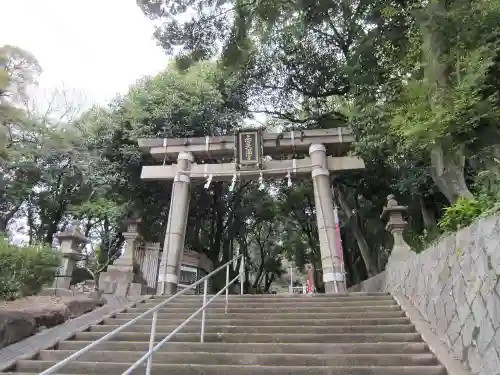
{"type": "Point", "coordinates": [355, 334]}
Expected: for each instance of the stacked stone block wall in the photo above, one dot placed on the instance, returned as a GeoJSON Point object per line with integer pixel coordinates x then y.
{"type": "Point", "coordinates": [455, 285]}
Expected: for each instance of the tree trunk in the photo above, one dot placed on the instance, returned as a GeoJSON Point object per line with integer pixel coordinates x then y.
{"type": "Point", "coordinates": [3, 225]}
{"type": "Point", "coordinates": [269, 282]}
{"type": "Point", "coordinates": [218, 227]}
{"type": "Point", "coordinates": [488, 160]}
{"type": "Point", "coordinates": [350, 277]}
{"type": "Point", "coordinates": [447, 165]}
{"type": "Point", "coordinates": [260, 270]}
{"type": "Point", "coordinates": [371, 267]}
{"type": "Point", "coordinates": [317, 280]}
{"type": "Point", "coordinates": [428, 215]}
{"type": "Point", "coordinates": [447, 170]}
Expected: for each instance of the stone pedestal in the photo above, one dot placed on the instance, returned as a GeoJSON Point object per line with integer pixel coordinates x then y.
{"type": "Point", "coordinates": [71, 241]}
{"type": "Point", "coordinates": [330, 260]}
{"type": "Point", "coordinates": [176, 228]}
{"type": "Point", "coordinates": [119, 279]}
{"type": "Point", "coordinates": [396, 224]}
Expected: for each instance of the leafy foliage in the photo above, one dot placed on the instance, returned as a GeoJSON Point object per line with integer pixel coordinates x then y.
{"type": "Point", "coordinates": [462, 213]}
{"type": "Point", "coordinates": [25, 270]}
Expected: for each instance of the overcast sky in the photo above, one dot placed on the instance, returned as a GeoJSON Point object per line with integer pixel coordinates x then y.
{"type": "Point", "coordinates": [91, 48]}
{"type": "Point", "coordinates": [96, 47]}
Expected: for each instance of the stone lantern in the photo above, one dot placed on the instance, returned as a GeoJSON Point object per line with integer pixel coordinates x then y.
{"type": "Point", "coordinates": [395, 225]}
{"type": "Point", "coordinates": [71, 242]}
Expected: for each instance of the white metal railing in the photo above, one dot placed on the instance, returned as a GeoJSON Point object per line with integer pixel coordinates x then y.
{"type": "Point", "coordinates": [154, 310]}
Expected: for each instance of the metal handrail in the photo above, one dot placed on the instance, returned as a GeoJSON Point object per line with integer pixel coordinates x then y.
{"type": "Point", "coordinates": [154, 310]}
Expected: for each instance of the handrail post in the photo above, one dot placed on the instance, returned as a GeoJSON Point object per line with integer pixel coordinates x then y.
{"type": "Point", "coordinates": [152, 342]}
{"type": "Point", "coordinates": [203, 314]}
{"type": "Point", "coordinates": [242, 273]}
{"type": "Point", "coordinates": [227, 287]}
{"type": "Point", "coordinates": [154, 310]}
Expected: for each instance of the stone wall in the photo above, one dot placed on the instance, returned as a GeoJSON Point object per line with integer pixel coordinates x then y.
{"type": "Point", "coordinates": [455, 285]}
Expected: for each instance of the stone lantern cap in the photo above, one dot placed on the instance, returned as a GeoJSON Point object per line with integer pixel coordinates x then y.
{"type": "Point", "coordinates": [395, 212]}
{"type": "Point", "coordinates": [133, 223]}
{"type": "Point", "coordinates": [73, 233]}
{"type": "Point", "coordinates": [132, 231]}
{"type": "Point", "coordinates": [392, 207]}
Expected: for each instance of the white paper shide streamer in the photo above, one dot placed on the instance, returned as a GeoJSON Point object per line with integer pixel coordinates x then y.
{"type": "Point", "coordinates": [209, 181]}
{"type": "Point", "coordinates": [233, 183]}
{"type": "Point", "coordinates": [289, 179]}
{"type": "Point", "coordinates": [261, 182]}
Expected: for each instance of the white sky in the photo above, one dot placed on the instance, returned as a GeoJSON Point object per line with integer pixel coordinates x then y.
{"type": "Point", "coordinates": [96, 48]}
{"type": "Point", "coordinates": [93, 49]}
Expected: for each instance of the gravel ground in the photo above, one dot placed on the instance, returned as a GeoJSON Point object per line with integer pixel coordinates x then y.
{"type": "Point", "coordinates": [33, 302]}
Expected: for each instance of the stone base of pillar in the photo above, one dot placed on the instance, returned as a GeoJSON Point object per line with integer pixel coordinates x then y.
{"type": "Point", "coordinates": [119, 283]}
{"type": "Point", "coordinates": [167, 288]}
{"type": "Point", "coordinates": [116, 275]}
{"type": "Point", "coordinates": [331, 288]}
{"type": "Point", "coordinates": [122, 265]}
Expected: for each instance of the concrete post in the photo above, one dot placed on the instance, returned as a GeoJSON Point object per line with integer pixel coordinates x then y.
{"type": "Point", "coordinates": [173, 246]}
{"type": "Point", "coordinates": [401, 250]}
{"type": "Point", "coordinates": [330, 260]}
{"type": "Point", "coordinates": [71, 241]}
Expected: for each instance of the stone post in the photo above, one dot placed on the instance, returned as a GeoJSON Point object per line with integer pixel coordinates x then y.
{"type": "Point", "coordinates": [119, 279]}
{"type": "Point", "coordinates": [173, 246]}
{"type": "Point", "coordinates": [71, 241]}
{"type": "Point", "coordinates": [125, 263]}
{"type": "Point", "coordinates": [330, 260]}
{"type": "Point", "coordinates": [396, 224]}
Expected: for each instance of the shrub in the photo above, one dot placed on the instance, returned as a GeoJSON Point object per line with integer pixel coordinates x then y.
{"type": "Point", "coordinates": [25, 270]}
{"type": "Point", "coordinates": [463, 213]}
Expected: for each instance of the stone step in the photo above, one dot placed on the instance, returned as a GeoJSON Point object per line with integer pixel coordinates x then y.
{"type": "Point", "coordinates": [268, 304]}
{"type": "Point", "coordinates": [210, 328]}
{"type": "Point", "coordinates": [289, 300]}
{"type": "Point", "coordinates": [259, 337]}
{"type": "Point", "coordinates": [271, 322]}
{"type": "Point", "coordinates": [324, 297]}
{"type": "Point", "coordinates": [203, 358]}
{"type": "Point", "coordinates": [112, 368]}
{"type": "Point", "coordinates": [307, 316]}
{"type": "Point", "coordinates": [293, 348]}
{"type": "Point", "coordinates": [267, 310]}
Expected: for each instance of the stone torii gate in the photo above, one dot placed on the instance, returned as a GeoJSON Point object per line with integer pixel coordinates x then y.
{"type": "Point", "coordinates": [246, 155]}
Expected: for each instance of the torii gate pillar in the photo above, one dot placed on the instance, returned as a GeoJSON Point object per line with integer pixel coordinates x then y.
{"type": "Point", "coordinates": [323, 200]}
{"type": "Point", "coordinates": [176, 228]}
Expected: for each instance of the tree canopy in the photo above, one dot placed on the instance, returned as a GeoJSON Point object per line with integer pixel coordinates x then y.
{"type": "Point", "coordinates": [417, 81]}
